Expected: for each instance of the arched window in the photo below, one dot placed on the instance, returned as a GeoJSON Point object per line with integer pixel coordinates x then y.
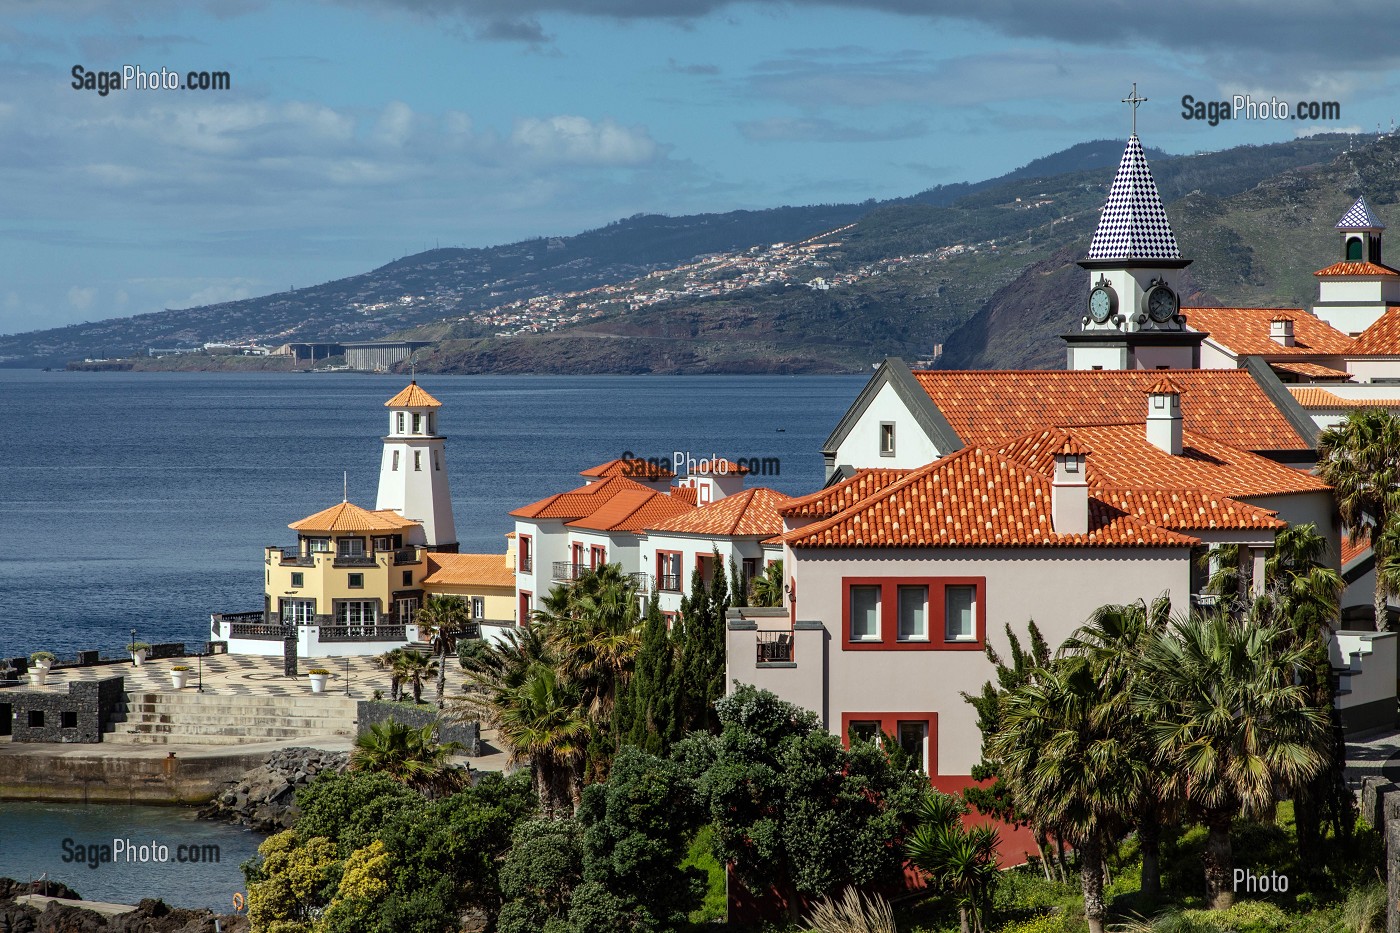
{"type": "Point", "coordinates": [1354, 248]}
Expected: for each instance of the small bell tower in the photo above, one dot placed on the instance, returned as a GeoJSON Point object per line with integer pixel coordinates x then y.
{"type": "Point", "coordinates": [413, 472]}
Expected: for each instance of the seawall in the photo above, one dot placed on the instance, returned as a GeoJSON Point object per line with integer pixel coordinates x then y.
{"type": "Point", "coordinates": [93, 774]}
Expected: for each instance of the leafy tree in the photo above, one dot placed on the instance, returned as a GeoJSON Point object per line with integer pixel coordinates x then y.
{"type": "Point", "coordinates": [443, 621]}
{"type": "Point", "coordinates": [635, 833]}
{"type": "Point", "coordinates": [767, 590]}
{"type": "Point", "coordinates": [292, 882]}
{"type": "Point", "coordinates": [1360, 459]}
{"type": "Point", "coordinates": [410, 756]}
{"type": "Point", "coordinates": [541, 871]}
{"type": "Point", "coordinates": [352, 808]}
{"type": "Point", "coordinates": [1230, 724]}
{"type": "Point", "coordinates": [793, 810]}
{"type": "Point", "coordinates": [962, 861]}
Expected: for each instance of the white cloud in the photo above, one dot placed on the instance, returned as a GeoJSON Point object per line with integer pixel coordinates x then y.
{"type": "Point", "coordinates": [580, 141]}
{"type": "Point", "coordinates": [81, 298]}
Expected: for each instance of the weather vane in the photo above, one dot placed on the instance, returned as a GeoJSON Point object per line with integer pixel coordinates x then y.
{"type": "Point", "coordinates": [1134, 100]}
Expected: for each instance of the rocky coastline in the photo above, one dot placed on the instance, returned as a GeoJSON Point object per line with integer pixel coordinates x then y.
{"type": "Point", "coordinates": [150, 916]}
{"type": "Point", "coordinates": [264, 798]}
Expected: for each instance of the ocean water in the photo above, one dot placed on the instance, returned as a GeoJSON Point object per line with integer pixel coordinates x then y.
{"type": "Point", "coordinates": [64, 842]}
{"type": "Point", "coordinates": [144, 500]}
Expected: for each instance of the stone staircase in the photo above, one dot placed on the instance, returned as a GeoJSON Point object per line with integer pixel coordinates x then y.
{"type": "Point", "coordinates": [187, 718]}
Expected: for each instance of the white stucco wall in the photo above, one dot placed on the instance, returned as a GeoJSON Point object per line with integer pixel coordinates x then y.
{"type": "Point", "coordinates": [912, 446]}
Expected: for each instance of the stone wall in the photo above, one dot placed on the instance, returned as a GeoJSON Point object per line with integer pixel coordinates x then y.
{"type": "Point", "coordinates": [372, 712]}
{"type": "Point", "coordinates": [76, 716]}
{"type": "Point", "coordinates": [1379, 803]}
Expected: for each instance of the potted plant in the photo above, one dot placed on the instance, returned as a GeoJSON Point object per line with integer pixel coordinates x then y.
{"type": "Point", "coordinates": [318, 677]}
{"type": "Point", "coordinates": [138, 651]}
{"type": "Point", "coordinates": [41, 661]}
{"type": "Point", "coordinates": [179, 674]}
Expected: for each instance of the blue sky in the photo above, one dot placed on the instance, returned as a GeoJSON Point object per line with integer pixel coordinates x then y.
{"type": "Point", "coordinates": [357, 131]}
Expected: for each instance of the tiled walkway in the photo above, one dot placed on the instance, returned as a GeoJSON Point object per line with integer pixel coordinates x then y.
{"type": "Point", "coordinates": [250, 676]}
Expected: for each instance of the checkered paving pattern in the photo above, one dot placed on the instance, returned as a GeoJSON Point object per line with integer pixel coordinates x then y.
{"type": "Point", "coordinates": [1133, 224]}
{"type": "Point", "coordinates": [1359, 217]}
{"type": "Point", "coordinates": [243, 675]}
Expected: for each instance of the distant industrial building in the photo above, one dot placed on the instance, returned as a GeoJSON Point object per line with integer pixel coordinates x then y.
{"type": "Point", "coordinates": [380, 355]}
{"type": "Point", "coordinates": [309, 351]}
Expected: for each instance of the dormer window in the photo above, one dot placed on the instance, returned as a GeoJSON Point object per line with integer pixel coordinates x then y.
{"type": "Point", "coordinates": [887, 438]}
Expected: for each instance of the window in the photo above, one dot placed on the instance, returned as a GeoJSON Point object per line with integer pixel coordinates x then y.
{"type": "Point", "coordinates": [1353, 249]}
{"type": "Point", "coordinates": [298, 611]}
{"type": "Point", "coordinates": [395, 467]}
{"type": "Point", "coordinates": [36, 719]}
{"type": "Point", "coordinates": [959, 603]}
{"type": "Point", "coordinates": [913, 613]}
{"type": "Point", "coordinates": [318, 545]}
{"type": "Point", "coordinates": [668, 571]}
{"type": "Point", "coordinates": [408, 578]}
{"type": "Point", "coordinates": [597, 556]}
{"type": "Point", "coordinates": [478, 607]}
{"type": "Point", "coordinates": [68, 720]}
{"type": "Point", "coordinates": [417, 460]}
{"type": "Point", "coordinates": [384, 543]}
{"type": "Point", "coordinates": [400, 425]}
{"type": "Point", "coordinates": [704, 491]}
{"type": "Point", "coordinates": [432, 423]}
{"type": "Point", "coordinates": [865, 613]}
{"type": "Point", "coordinates": [417, 424]}
{"type": "Point", "coordinates": [406, 609]}
{"type": "Point", "coordinates": [887, 438]}
{"type": "Point", "coordinates": [437, 464]}
{"type": "Point", "coordinates": [913, 737]}
{"type": "Point", "coordinates": [526, 559]}
{"type": "Point", "coordinates": [903, 613]}
{"type": "Point", "coordinates": [752, 568]}
{"type": "Point", "coordinates": [350, 547]}
{"type": "Point", "coordinates": [356, 612]}
{"type": "Point", "coordinates": [524, 610]}
{"type": "Point", "coordinates": [356, 581]}
{"type": "Point", "coordinates": [867, 730]}
{"type": "Point", "coordinates": [298, 581]}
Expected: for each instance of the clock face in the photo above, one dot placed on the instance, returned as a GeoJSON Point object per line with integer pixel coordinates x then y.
{"type": "Point", "coordinates": [1100, 304]}
{"type": "Point", "coordinates": [1162, 304]}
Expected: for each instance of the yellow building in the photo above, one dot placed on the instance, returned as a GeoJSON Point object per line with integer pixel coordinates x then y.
{"type": "Point", "coordinates": [485, 582]}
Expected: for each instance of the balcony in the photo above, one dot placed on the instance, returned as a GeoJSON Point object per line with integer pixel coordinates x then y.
{"type": "Point", "coordinates": [292, 557]}
{"type": "Point", "coordinates": [567, 571]}
{"type": "Point", "coordinates": [668, 582]}
{"type": "Point", "coordinates": [642, 581]}
{"type": "Point", "coordinates": [774, 647]}
{"type": "Point", "coordinates": [343, 633]}
{"type": "Point", "coordinates": [407, 555]}
{"type": "Point", "coordinates": [527, 564]}
{"type": "Point", "coordinates": [356, 560]}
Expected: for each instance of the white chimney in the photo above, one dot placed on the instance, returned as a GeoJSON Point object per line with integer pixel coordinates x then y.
{"type": "Point", "coordinates": [1164, 417]}
{"type": "Point", "coordinates": [1069, 492]}
{"type": "Point", "coordinates": [1281, 331]}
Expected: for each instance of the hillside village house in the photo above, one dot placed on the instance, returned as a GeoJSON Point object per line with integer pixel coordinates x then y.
{"type": "Point", "coordinates": [353, 580]}
{"type": "Point", "coordinates": [961, 503]}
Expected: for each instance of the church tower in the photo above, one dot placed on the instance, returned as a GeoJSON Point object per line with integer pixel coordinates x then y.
{"type": "Point", "coordinates": [413, 472]}
{"type": "Point", "coordinates": [1132, 312]}
{"type": "Point", "coordinates": [1355, 291]}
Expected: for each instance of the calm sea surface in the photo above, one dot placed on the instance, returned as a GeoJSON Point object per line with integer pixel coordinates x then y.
{"type": "Point", "coordinates": [34, 847]}
{"type": "Point", "coordinates": [144, 500]}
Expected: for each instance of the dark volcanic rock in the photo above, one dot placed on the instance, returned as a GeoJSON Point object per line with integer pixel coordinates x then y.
{"type": "Point", "coordinates": [150, 916]}
{"type": "Point", "coordinates": [265, 797]}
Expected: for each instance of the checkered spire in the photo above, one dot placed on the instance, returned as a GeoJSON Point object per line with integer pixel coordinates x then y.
{"type": "Point", "coordinates": [1133, 224]}
{"type": "Point", "coordinates": [1360, 218]}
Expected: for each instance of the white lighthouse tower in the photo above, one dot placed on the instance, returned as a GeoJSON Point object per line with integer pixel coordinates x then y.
{"type": "Point", "coordinates": [413, 473]}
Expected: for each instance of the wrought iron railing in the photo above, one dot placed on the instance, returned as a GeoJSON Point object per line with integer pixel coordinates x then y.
{"type": "Point", "coordinates": [643, 581]}
{"type": "Point", "coordinates": [527, 564]}
{"type": "Point", "coordinates": [565, 571]}
{"type": "Point", "coordinates": [668, 582]}
{"type": "Point", "coordinates": [774, 646]}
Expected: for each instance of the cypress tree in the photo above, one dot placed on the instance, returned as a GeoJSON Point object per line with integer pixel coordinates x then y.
{"type": "Point", "coordinates": [646, 715]}
{"type": "Point", "coordinates": [702, 654]}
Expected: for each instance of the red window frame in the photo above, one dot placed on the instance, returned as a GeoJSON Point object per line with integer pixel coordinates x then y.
{"type": "Point", "coordinates": [936, 619]}
{"type": "Point", "coordinates": [661, 572]}
{"type": "Point", "coordinates": [889, 723]}
{"type": "Point", "coordinates": [597, 555]}
{"type": "Point", "coordinates": [524, 554]}
{"type": "Point", "coordinates": [523, 608]}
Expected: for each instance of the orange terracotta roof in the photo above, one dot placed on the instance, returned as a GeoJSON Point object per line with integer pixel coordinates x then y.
{"type": "Point", "coordinates": [975, 498]}
{"type": "Point", "coordinates": [993, 407]}
{"type": "Point", "coordinates": [720, 467]}
{"type": "Point", "coordinates": [632, 510]}
{"type": "Point", "coordinates": [1164, 386]}
{"type": "Point", "coordinates": [632, 468]}
{"type": "Point", "coordinates": [1356, 268]}
{"type": "Point", "coordinates": [347, 516]}
{"type": "Point", "coordinates": [1382, 338]}
{"type": "Point", "coordinates": [469, 570]}
{"type": "Point", "coordinates": [1072, 447]}
{"type": "Point", "coordinates": [576, 503]}
{"type": "Point", "coordinates": [689, 494]}
{"type": "Point", "coordinates": [1189, 509]}
{"type": "Point", "coordinates": [1311, 370]}
{"type": "Point", "coordinates": [413, 396]}
{"type": "Point", "coordinates": [750, 512]}
{"type": "Point", "coordinates": [826, 502]}
{"type": "Point", "coordinates": [1351, 550]}
{"type": "Point", "coordinates": [1124, 459]}
{"type": "Point", "coordinates": [1246, 331]}
{"type": "Point", "coordinates": [1310, 397]}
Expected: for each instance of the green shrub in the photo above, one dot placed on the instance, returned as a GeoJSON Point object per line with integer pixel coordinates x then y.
{"type": "Point", "coordinates": [1056, 922]}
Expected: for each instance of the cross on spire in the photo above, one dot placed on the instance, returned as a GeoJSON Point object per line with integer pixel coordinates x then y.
{"type": "Point", "coordinates": [1134, 100]}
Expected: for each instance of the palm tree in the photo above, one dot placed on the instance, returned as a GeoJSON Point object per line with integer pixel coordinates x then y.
{"type": "Point", "coordinates": [389, 661]}
{"type": "Point", "coordinates": [962, 861]}
{"type": "Point", "coordinates": [594, 628]}
{"type": "Point", "coordinates": [442, 621]}
{"type": "Point", "coordinates": [1071, 765]}
{"type": "Point", "coordinates": [1360, 459]}
{"type": "Point", "coordinates": [409, 756]}
{"type": "Point", "coordinates": [542, 720]}
{"type": "Point", "coordinates": [1229, 723]}
{"type": "Point", "coordinates": [1111, 641]}
{"type": "Point", "coordinates": [767, 590]}
{"type": "Point", "coordinates": [415, 670]}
